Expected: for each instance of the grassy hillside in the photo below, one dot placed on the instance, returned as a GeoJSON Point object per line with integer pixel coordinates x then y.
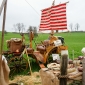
{"type": "Point", "coordinates": [75, 41]}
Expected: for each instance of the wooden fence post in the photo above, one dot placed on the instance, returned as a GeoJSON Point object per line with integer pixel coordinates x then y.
{"type": "Point", "coordinates": [83, 79]}
{"type": "Point", "coordinates": [63, 70]}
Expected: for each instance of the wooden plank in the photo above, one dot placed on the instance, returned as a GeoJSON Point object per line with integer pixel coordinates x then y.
{"type": "Point", "coordinates": [83, 79]}
{"type": "Point", "coordinates": [2, 37]}
{"type": "Point", "coordinates": [5, 74]}
{"type": "Point", "coordinates": [63, 70]}
{"type": "Point", "coordinates": [2, 5]}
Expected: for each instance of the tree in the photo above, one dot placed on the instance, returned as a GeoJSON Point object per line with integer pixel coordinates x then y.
{"type": "Point", "coordinates": [71, 26]}
{"type": "Point", "coordinates": [77, 27]}
{"type": "Point", "coordinates": [19, 26]}
{"type": "Point", "coordinates": [35, 31]}
{"type": "Point", "coordinates": [23, 27]}
{"type": "Point", "coordinates": [30, 28]}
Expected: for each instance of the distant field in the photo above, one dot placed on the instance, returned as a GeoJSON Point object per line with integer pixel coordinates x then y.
{"type": "Point", "coordinates": [75, 41]}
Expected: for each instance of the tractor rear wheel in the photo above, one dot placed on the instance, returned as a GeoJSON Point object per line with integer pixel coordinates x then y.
{"type": "Point", "coordinates": [17, 65]}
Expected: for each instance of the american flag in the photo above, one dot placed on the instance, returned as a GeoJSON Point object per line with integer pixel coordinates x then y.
{"type": "Point", "coordinates": [54, 18]}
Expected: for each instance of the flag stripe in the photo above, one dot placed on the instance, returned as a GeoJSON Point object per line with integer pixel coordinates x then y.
{"type": "Point", "coordinates": [55, 28]}
{"type": "Point", "coordinates": [58, 25]}
{"type": "Point", "coordinates": [58, 18]}
{"type": "Point", "coordinates": [58, 15]}
{"type": "Point", "coordinates": [54, 18]}
{"type": "Point", "coordinates": [54, 23]}
{"type": "Point", "coordinates": [58, 7]}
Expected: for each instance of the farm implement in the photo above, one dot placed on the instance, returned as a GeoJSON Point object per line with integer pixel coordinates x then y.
{"type": "Point", "coordinates": [42, 53]}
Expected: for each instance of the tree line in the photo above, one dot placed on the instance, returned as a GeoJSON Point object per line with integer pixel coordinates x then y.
{"type": "Point", "coordinates": [20, 27]}
{"type": "Point", "coordinates": [75, 28]}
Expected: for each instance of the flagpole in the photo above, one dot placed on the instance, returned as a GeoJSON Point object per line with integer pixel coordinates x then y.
{"type": "Point", "coordinates": [53, 3]}
{"type": "Point", "coordinates": [2, 37]}
{"type": "Point", "coordinates": [52, 31]}
{"type": "Point", "coordinates": [67, 2]}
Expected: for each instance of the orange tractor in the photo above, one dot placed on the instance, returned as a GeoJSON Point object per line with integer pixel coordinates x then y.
{"type": "Point", "coordinates": [53, 45]}
{"type": "Point", "coordinates": [42, 53]}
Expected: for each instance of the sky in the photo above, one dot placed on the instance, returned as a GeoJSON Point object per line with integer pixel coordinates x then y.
{"type": "Point", "coordinates": [28, 12]}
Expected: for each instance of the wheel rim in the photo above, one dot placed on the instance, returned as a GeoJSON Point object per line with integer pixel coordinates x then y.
{"type": "Point", "coordinates": [17, 65]}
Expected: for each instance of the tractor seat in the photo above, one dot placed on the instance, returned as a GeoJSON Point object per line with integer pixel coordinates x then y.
{"type": "Point", "coordinates": [30, 50]}
{"type": "Point", "coordinates": [46, 43]}
{"type": "Point", "coordinates": [41, 48]}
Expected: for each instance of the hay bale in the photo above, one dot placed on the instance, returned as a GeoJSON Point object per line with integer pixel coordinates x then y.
{"type": "Point", "coordinates": [27, 80]}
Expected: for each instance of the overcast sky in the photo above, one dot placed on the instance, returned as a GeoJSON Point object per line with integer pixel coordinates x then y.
{"type": "Point", "coordinates": [28, 12]}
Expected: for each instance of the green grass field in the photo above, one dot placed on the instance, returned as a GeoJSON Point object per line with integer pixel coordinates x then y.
{"type": "Point", "coordinates": [74, 40]}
